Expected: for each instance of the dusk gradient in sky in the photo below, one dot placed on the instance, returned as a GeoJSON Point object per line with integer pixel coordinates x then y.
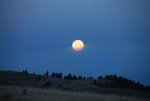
{"type": "Point", "coordinates": [37, 35]}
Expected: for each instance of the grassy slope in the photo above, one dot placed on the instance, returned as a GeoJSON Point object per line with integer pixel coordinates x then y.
{"type": "Point", "coordinates": [8, 93]}
{"type": "Point", "coordinates": [20, 79]}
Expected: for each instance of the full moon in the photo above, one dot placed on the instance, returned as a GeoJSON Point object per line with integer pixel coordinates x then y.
{"type": "Point", "coordinates": [77, 45]}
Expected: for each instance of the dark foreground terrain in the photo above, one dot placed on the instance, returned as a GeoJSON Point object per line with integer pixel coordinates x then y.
{"type": "Point", "coordinates": [34, 94]}
{"type": "Point", "coordinates": [17, 86]}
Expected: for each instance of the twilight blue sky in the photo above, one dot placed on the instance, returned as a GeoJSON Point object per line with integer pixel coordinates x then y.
{"type": "Point", "coordinates": [37, 35]}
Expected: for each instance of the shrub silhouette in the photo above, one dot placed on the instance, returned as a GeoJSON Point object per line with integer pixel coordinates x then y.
{"type": "Point", "coordinates": [39, 78]}
{"type": "Point", "coordinates": [95, 83]}
{"type": "Point", "coordinates": [100, 84]}
{"type": "Point", "coordinates": [147, 87]}
{"type": "Point", "coordinates": [47, 84]}
{"type": "Point", "coordinates": [7, 96]}
{"type": "Point", "coordinates": [25, 91]}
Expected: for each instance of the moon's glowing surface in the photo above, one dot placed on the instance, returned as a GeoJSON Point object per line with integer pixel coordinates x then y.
{"type": "Point", "coordinates": [77, 45]}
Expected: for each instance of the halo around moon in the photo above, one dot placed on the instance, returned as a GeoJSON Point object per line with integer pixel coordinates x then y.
{"type": "Point", "coordinates": [77, 45]}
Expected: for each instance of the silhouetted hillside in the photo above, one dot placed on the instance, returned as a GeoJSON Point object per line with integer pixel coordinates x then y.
{"type": "Point", "coordinates": [110, 84]}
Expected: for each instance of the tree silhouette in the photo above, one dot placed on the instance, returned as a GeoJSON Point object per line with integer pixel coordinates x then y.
{"type": "Point", "coordinates": [60, 75]}
{"type": "Point", "coordinates": [68, 77]}
{"type": "Point", "coordinates": [112, 81]}
{"type": "Point", "coordinates": [100, 77]}
{"type": "Point", "coordinates": [74, 77]}
{"type": "Point", "coordinates": [47, 73]}
{"type": "Point", "coordinates": [79, 77]}
{"type": "Point", "coordinates": [91, 78]}
{"type": "Point", "coordinates": [25, 71]}
{"type": "Point", "coordinates": [56, 75]}
{"type": "Point", "coordinates": [53, 75]}
{"type": "Point", "coordinates": [84, 78]}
